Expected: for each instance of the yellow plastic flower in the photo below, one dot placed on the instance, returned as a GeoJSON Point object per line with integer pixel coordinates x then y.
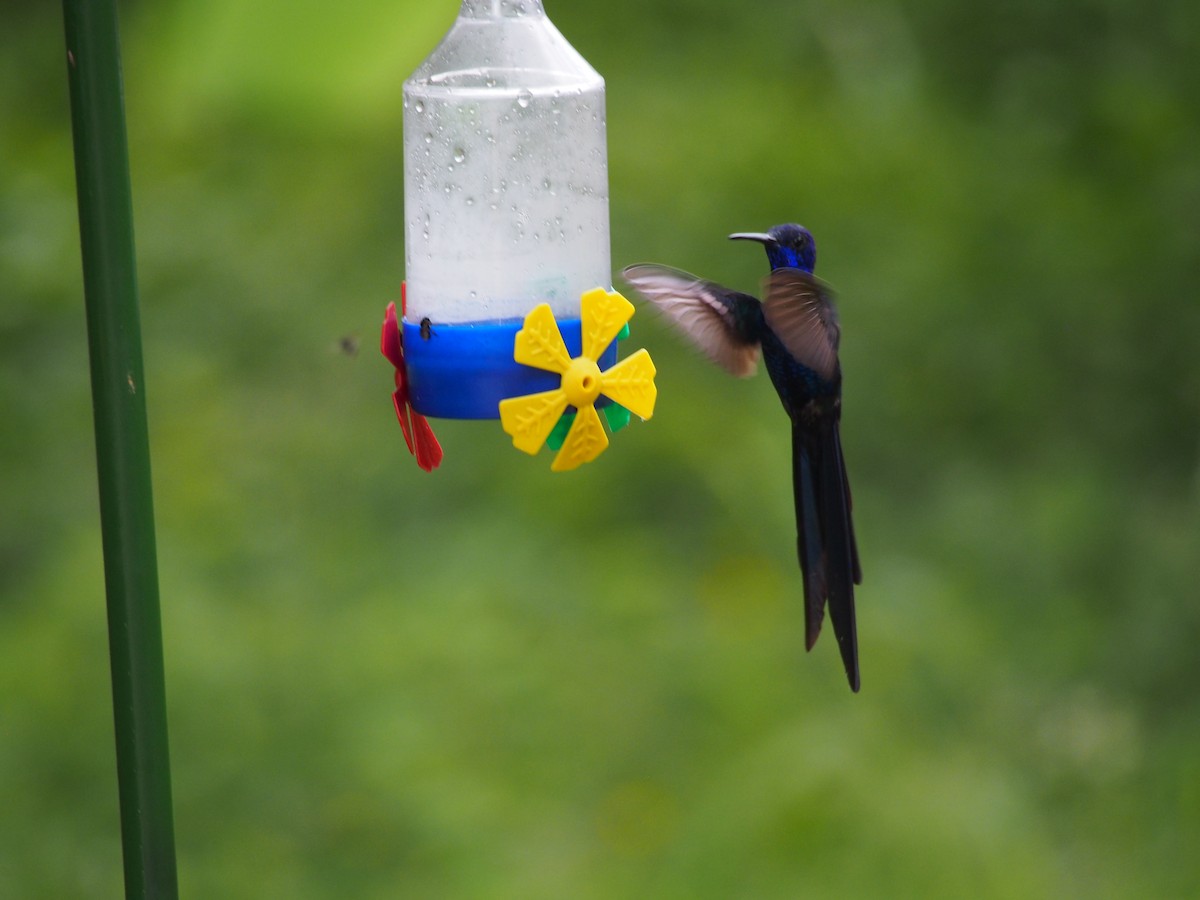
{"type": "Point", "coordinates": [531, 418]}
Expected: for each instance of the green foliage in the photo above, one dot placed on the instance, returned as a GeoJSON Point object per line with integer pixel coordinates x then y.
{"type": "Point", "coordinates": [497, 682]}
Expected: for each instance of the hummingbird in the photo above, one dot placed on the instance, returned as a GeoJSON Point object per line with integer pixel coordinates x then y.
{"type": "Point", "coordinates": [795, 329]}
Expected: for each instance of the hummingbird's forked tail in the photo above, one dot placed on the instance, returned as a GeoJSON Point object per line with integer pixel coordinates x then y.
{"type": "Point", "coordinates": [825, 538]}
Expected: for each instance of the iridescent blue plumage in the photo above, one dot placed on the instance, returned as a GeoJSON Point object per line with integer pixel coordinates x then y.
{"type": "Point", "coordinates": [796, 329]}
{"type": "Point", "coordinates": [787, 246]}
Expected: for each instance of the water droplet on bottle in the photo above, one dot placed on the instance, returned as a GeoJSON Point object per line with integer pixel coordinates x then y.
{"type": "Point", "coordinates": [470, 201]}
{"type": "Point", "coordinates": [419, 106]}
{"type": "Point", "coordinates": [459, 154]}
{"type": "Point", "coordinates": [428, 138]}
{"type": "Point", "coordinates": [524, 99]}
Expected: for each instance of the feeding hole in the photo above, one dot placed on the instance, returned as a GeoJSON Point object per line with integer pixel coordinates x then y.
{"type": "Point", "coordinates": [581, 381]}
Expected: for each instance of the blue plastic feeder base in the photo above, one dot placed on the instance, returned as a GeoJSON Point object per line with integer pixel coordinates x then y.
{"type": "Point", "coordinates": [464, 371]}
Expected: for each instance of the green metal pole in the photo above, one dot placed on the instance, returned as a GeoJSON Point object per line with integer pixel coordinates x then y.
{"type": "Point", "coordinates": [122, 447]}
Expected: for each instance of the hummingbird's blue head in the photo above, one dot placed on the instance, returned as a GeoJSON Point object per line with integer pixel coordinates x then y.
{"type": "Point", "coordinates": [788, 246]}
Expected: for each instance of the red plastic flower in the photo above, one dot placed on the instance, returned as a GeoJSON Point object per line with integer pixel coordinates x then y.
{"type": "Point", "coordinates": [418, 435]}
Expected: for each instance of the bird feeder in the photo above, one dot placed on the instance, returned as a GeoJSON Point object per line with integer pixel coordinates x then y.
{"type": "Point", "coordinates": [506, 230]}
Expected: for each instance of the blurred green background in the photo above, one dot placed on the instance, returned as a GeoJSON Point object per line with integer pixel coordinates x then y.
{"type": "Point", "coordinates": [498, 682]}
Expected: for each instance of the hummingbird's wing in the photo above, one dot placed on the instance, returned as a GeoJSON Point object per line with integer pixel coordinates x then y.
{"type": "Point", "coordinates": [799, 309]}
{"type": "Point", "coordinates": [716, 319]}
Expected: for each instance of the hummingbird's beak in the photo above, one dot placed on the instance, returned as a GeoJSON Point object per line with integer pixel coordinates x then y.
{"type": "Point", "coordinates": [752, 236]}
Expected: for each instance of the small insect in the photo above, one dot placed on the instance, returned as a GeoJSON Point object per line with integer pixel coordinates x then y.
{"type": "Point", "coordinates": [427, 329]}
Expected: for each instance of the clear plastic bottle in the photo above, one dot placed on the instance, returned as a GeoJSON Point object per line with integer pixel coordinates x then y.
{"type": "Point", "coordinates": [505, 203]}
{"type": "Point", "coordinates": [506, 170]}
